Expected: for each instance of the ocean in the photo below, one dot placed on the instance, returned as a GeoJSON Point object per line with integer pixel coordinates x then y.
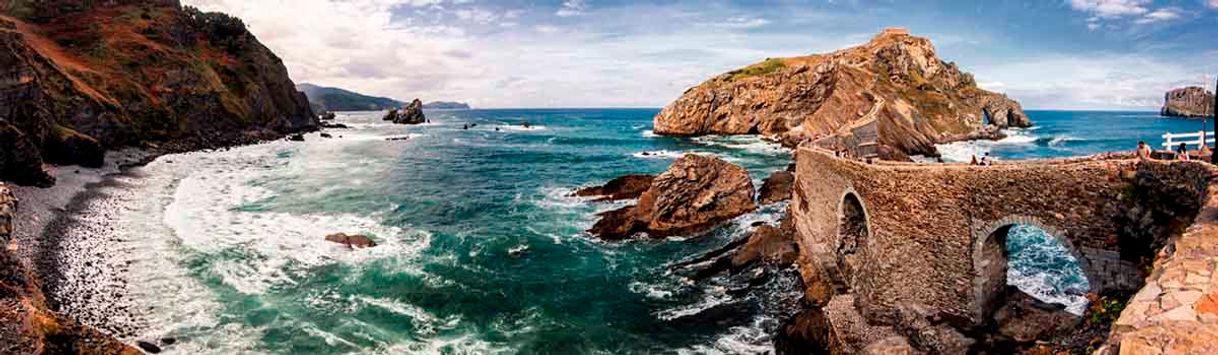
{"type": "Point", "coordinates": [481, 247]}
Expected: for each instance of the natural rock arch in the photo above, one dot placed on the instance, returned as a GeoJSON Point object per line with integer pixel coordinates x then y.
{"type": "Point", "coordinates": [991, 259]}
{"type": "Point", "coordinates": [854, 232]}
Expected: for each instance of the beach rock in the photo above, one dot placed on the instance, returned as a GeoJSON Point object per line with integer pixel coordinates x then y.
{"type": "Point", "coordinates": [334, 125]}
{"type": "Point", "coordinates": [67, 147]}
{"type": "Point", "coordinates": [620, 188]}
{"type": "Point", "coordinates": [328, 116]}
{"type": "Point", "coordinates": [695, 193]}
{"type": "Point", "coordinates": [1027, 319]}
{"type": "Point", "coordinates": [411, 114]}
{"type": "Point", "coordinates": [148, 347]}
{"type": "Point", "coordinates": [776, 188]}
{"type": "Point", "coordinates": [296, 138]}
{"type": "Point", "coordinates": [352, 241]}
{"type": "Point", "coordinates": [20, 160]}
{"type": "Point", "coordinates": [326, 135]}
{"type": "Point", "coordinates": [893, 91]}
{"type": "Point", "coordinates": [1192, 101]}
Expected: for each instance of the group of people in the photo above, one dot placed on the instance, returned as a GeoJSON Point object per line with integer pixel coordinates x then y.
{"type": "Point", "coordinates": [984, 161]}
{"type": "Point", "coordinates": [1144, 151]}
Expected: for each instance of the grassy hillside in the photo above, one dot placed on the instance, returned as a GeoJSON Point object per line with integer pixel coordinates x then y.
{"type": "Point", "coordinates": [335, 99]}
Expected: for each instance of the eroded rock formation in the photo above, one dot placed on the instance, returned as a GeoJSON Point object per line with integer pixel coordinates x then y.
{"type": "Point", "coordinates": [620, 188]}
{"type": "Point", "coordinates": [352, 241]}
{"type": "Point", "coordinates": [1192, 101]}
{"type": "Point", "coordinates": [776, 188]}
{"type": "Point", "coordinates": [893, 90]}
{"type": "Point", "coordinates": [27, 326]}
{"type": "Point", "coordinates": [77, 78]}
{"type": "Point", "coordinates": [411, 114]}
{"type": "Point", "coordinates": [695, 193]}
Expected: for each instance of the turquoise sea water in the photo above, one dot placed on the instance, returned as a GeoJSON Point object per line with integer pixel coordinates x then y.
{"type": "Point", "coordinates": [482, 249]}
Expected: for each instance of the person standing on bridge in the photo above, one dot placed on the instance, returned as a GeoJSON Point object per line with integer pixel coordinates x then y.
{"type": "Point", "coordinates": [1143, 151]}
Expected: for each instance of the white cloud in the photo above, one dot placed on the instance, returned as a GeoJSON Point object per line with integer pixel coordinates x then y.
{"type": "Point", "coordinates": [357, 44]}
{"type": "Point", "coordinates": [572, 8]}
{"type": "Point", "coordinates": [1213, 4]}
{"type": "Point", "coordinates": [1099, 81]}
{"type": "Point", "coordinates": [746, 22]}
{"type": "Point", "coordinates": [1111, 8]}
{"type": "Point", "coordinates": [1159, 15]}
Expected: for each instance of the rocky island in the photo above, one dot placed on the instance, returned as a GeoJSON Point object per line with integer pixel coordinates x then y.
{"type": "Point", "coordinates": [1192, 101]}
{"type": "Point", "coordinates": [409, 114]}
{"type": "Point", "coordinates": [891, 97]}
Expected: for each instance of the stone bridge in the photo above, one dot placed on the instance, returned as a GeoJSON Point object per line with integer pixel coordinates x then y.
{"type": "Point", "coordinates": [920, 248]}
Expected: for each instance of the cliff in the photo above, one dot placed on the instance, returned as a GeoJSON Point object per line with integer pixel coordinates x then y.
{"type": "Point", "coordinates": [893, 91]}
{"type": "Point", "coordinates": [77, 78]}
{"type": "Point", "coordinates": [1192, 101]}
{"type": "Point", "coordinates": [335, 99]}
{"type": "Point", "coordinates": [27, 326]}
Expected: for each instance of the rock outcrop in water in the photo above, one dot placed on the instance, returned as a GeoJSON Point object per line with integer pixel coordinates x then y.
{"type": "Point", "coordinates": [77, 78]}
{"type": "Point", "coordinates": [352, 241]}
{"type": "Point", "coordinates": [1192, 101]}
{"type": "Point", "coordinates": [620, 188]}
{"type": "Point", "coordinates": [695, 193]}
{"type": "Point", "coordinates": [27, 326]}
{"type": "Point", "coordinates": [411, 114]}
{"type": "Point", "coordinates": [893, 91]}
{"type": "Point", "coordinates": [777, 187]}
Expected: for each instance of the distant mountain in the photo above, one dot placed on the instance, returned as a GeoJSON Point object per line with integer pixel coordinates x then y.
{"type": "Point", "coordinates": [335, 99]}
{"type": "Point", "coordinates": [446, 105]}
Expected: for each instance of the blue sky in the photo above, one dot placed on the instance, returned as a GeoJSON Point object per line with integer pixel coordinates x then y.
{"type": "Point", "coordinates": [1066, 54]}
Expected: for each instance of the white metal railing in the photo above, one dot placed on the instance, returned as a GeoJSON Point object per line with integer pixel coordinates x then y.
{"type": "Point", "coordinates": [1171, 140]}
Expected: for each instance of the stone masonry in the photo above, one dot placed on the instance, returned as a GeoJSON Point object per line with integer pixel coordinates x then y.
{"type": "Point", "coordinates": [933, 236]}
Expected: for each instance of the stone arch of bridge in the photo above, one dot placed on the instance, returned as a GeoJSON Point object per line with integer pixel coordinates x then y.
{"type": "Point", "coordinates": [853, 236]}
{"type": "Point", "coordinates": [990, 259]}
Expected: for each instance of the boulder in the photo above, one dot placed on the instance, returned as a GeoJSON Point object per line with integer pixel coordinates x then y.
{"type": "Point", "coordinates": [620, 188]}
{"type": "Point", "coordinates": [352, 241]}
{"type": "Point", "coordinates": [411, 114]}
{"type": "Point", "coordinates": [296, 137]}
{"type": "Point", "coordinates": [1192, 101]}
{"type": "Point", "coordinates": [695, 193]}
{"type": "Point", "coordinates": [766, 244]}
{"type": "Point", "coordinates": [68, 147]}
{"type": "Point", "coordinates": [1026, 319]}
{"type": "Point", "coordinates": [776, 188]}
{"type": "Point", "coordinates": [20, 160]}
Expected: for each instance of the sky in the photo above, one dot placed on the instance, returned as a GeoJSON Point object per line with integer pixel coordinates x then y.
{"type": "Point", "coordinates": [1049, 54]}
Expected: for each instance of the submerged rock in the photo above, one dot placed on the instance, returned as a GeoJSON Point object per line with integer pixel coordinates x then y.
{"type": "Point", "coordinates": [776, 188]}
{"type": "Point", "coordinates": [352, 241]}
{"type": "Point", "coordinates": [296, 137]}
{"type": "Point", "coordinates": [148, 347]}
{"type": "Point", "coordinates": [411, 114]}
{"type": "Point", "coordinates": [1026, 319]}
{"type": "Point", "coordinates": [620, 188]}
{"type": "Point", "coordinates": [1192, 101]}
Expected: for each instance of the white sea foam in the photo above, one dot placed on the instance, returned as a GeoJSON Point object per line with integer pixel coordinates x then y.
{"type": "Point", "coordinates": [715, 296]}
{"type": "Point", "coordinates": [751, 144]}
{"type": "Point", "coordinates": [664, 154]}
{"type": "Point", "coordinates": [519, 128]}
{"type": "Point", "coordinates": [745, 339]}
{"type": "Point", "coordinates": [649, 134]}
{"type": "Point", "coordinates": [964, 151]}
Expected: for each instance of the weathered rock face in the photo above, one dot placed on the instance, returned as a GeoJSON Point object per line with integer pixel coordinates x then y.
{"type": "Point", "coordinates": [695, 193]}
{"type": "Point", "coordinates": [80, 77]}
{"type": "Point", "coordinates": [1026, 319]}
{"type": "Point", "coordinates": [620, 188]}
{"type": "Point", "coordinates": [26, 325]}
{"type": "Point", "coordinates": [1192, 101]}
{"type": "Point", "coordinates": [894, 90]}
{"type": "Point", "coordinates": [776, 188]}
{"type": "Point", "coordinates": [411, 114]}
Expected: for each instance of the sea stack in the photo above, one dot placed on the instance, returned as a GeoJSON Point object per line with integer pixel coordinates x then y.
{"type": "Point", "coordinates": [1192, 101]}
{"type": "Point", "coordinates": [892, 96]}
{"type": "Point", "coordinates": [411, 114]}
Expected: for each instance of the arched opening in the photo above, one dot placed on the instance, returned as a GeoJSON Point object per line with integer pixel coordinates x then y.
{"type": "Point", "coordinates": [1031, 260]}
{"type": "Point", "coordinates": [852, 239]}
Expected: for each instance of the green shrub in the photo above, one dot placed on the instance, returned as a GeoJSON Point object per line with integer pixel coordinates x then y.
{"type": "Point", "coordinates": [768, 66]}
